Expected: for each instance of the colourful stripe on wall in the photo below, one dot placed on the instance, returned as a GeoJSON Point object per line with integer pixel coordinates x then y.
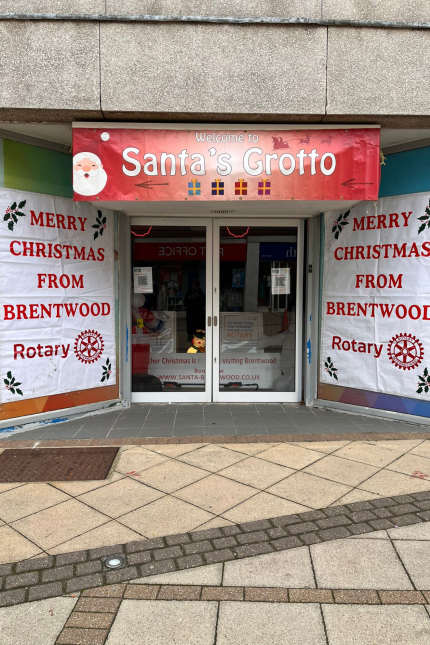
{"type": "Point", "coordinates": [35, 169]}
{"type": "Point", "coordinates": [375, 400]}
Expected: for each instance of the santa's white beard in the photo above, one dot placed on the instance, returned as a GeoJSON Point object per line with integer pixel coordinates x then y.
{"type": "Point", "coordinates": [91, 185]}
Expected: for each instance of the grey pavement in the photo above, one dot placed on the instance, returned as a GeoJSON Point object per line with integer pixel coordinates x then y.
{"type": "Point", "coordinates": [179, 420]}
{"type": "Point", "coordinates": [397, 559]}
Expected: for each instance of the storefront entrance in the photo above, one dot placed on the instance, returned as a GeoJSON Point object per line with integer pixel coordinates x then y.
{"type": "Point", "coordinates": [216, 310]}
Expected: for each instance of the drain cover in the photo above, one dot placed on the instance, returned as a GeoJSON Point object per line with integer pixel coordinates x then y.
{"type": "Point", "coordinates": [55, 464]}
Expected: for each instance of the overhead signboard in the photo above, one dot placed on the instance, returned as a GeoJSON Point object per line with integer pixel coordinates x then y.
{"type": "Point", "coordinates": [186, 251]}
{"type": "Point", "coordinates": [134, 164]}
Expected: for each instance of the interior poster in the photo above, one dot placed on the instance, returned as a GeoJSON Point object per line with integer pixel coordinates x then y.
{"type": "Point", "coordinates": [376, 305]}
{"type": "Point", "coordinates": [57, 296]}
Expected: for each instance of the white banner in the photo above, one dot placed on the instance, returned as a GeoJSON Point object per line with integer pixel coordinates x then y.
{"type": "Point", "coordinates": [376, 305]}
{"type": "Point", "coordinates": [57, 296]}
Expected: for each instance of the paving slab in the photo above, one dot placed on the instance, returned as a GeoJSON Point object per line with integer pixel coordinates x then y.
{"type": "Point", "coordinates": [358, 564]}
{"type": "Point", "coordinates": [370, 625]}
{"type": "Point", "coordinates": [415, 556]}
{"type": "Point", "coordinates": [36, 623]}
{"type": "Point", "coordinates": [209, 575]}
{"type": "Point", "coordinates": [269, 624]}
{"type": "Point", "coordinates": [285, 569]}
{"type": "Point", "coordinates": [162, 622]}
{"type": "Point", "coordinates": [415, 532]}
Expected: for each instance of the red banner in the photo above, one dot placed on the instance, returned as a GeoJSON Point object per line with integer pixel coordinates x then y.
{"type": "Point", "coordinates": [115, 164]}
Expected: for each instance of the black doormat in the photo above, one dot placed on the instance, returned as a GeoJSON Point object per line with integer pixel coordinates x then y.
{"type": "Point", "coordinates": [55, 464]}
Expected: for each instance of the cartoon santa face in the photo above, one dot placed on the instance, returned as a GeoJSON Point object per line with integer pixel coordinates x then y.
{"type": "Point", "coordinates": [89, 177]}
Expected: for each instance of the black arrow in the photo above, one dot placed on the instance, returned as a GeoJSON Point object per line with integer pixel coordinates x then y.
{"type": "Point", "coordinates": [348, 183]}
{"type": "Point", "coordinates": [145, 184]}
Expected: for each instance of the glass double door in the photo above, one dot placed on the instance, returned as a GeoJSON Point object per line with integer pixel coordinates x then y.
{"type": "Point", "coordinates": [216, 310]}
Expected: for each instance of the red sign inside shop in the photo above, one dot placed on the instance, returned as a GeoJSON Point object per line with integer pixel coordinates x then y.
{"type": "Point", "coordinates": [137, 164]}
{"type": "Point", "coordinates": [186, 251]}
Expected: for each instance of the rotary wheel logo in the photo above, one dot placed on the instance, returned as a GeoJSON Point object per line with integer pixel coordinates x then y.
{"type": "Point", "coordinates": [405, 351]}
{"type": "Point", "coordinates": [89, 346]}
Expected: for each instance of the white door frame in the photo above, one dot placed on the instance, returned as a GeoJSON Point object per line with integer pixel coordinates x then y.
{"type": "Point", "coordinates": [253, 396]}
{"type": "Point", "coordinates": [184, 396]}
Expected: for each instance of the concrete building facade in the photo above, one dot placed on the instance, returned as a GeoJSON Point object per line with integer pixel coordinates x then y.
{"type": "Point", "coordinates": [262, 66]}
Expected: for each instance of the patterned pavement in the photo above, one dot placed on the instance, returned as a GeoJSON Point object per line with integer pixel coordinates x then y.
{"type": "Point", "coordinates": [163, 490]}
{"type": "Point", "coordinates": [295, 579]}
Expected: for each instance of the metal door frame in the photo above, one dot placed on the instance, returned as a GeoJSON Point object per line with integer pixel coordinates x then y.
{"type": "Point", "coordinates": [184, 396]}
{"type": "Point", "coordinates": [239, 396]}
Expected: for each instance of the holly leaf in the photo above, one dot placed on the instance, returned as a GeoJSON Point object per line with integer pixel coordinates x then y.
{"type": "Point", "coordinates": [104, 220]}
{"type": "Point", "coordinates": [335, 376]}
{"type": "Point", "coordinates": [6, 381]}
{"type": "Point", "coordinates": [14, 217]}
{"type": "Point", "coordinates": [96, 234]}
{"type": "Point", "coordinates": [422, 379]}
{"type": "Point", "coordinates": [12, 208]}
{"type": "Point", "coordinates": [10, 225]}
{"type": "Point", "coordinates": [339, 218]}
{"type": "Point", "coordinates": [19, 392]}
{"type": "Point", "coordinates": [95, 226]}
{"type": "Point", "coordinates": [102, 379]}
{"type": "Point", "coordinates": [12, 382]}
{"type": "Point", "coordinates": [347, 214]}
{"type": "Point", "coordinates": [17, 383]}
{"type": "Point", "coordinates": [336, 236]}
{"type": "Point", "coordinates": [426, 372]}
{"type": "Point", "coordinates": [332, 230]}
{"type": "Point", "coordinates": [328, 359]}
{"type": "Point", "coordinates": [423, 218]}
{"type": "Point", "coordinates": [9, 374]}
{"type": "Point", "coordinates": [428, 224]}
{"type": "Point", "coordinates": [101, 231]}
{"type": "Point", "coordinates": [419, 391]}
{"type": "Point", "coordinates": [421, 228]}
{"type": "Point", "coordinates": [12, 390]}
{"type": "Point", "coordinates": [426, 389]}
{"type": "Point", "coordinates": [6, 217]}
{"type": "Point", "coordinates": [22, 204]}
{"type": "Point", "coordinates": [20, 214]}
{"type": "Point", "coordinates": [345, 223]}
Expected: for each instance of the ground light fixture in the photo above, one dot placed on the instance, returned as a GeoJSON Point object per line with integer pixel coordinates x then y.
{"type": "Point", "coordinates": [114, 562]}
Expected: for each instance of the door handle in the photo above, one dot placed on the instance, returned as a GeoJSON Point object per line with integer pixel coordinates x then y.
{"type": "Point", "coordinates": [209, 321]}
{"type": "Point", "coordinates": [215, 321]}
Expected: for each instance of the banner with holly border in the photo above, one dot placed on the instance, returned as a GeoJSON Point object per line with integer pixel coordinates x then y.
{"type": "Point", "coordinates": [57, 296]}
{"type": "Point", "coordinates": [375, 328]}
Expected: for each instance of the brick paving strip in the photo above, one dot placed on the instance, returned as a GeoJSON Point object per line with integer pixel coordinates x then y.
{"type": "Point", "coordinates": [49, 576]}
{"type": "Point", "coordinates": [94, 613]}
{"type": "Point", "coordinates": [263, 438]}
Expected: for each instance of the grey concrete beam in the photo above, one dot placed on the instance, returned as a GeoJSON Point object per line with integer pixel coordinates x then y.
{"type": "Point", "coordinates": [52, 6]}
{"type": "Point", "coordinates": [378, 72]}
{"type": "Point", "coordinates": [212, 69]}
{"type": "Point", "coordinates": [284, 9]}
{"type": "Point", "coordinates": [48, 67]}
{"type": "Point", "coordinates": [397, 10]}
